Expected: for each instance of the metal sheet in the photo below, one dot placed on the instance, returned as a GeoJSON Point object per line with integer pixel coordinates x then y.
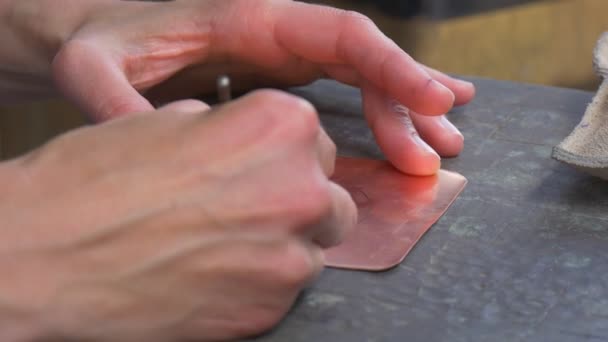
{"type": "Point", "coordinates": [395, 210]}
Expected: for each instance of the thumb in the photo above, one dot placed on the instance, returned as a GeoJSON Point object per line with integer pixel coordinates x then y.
{"type": "Point", "coordinates": [93, 80]}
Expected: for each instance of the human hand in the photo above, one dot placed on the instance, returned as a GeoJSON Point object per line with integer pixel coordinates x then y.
{"type": "Point", "coordinates": [131, 48]}
{"type": "Point", "coordinates": [183, 223]}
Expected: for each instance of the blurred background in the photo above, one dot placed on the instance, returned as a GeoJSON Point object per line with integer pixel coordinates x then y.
{"type": "Point", "coordinates": [544, 42]}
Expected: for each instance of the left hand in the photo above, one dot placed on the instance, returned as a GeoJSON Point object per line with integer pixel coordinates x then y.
{"type": "Point", "coordinates": [125, 49]}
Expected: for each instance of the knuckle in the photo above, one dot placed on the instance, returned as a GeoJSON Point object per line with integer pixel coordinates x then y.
{"type": "Point", "coordinates": [239, 7]}
{"type": "Point", "coordinates": [292, 116]}
{"type": "Point", "coordinates": [355, 18]}
{"type": "Point", "coordinates": [305, 121]}
{"type": "Point", "coordinates": [320, 195]}
{"type": "Point", "coordinates": [331, 148]}
{"type": "Point", "coordinates": [354, 26]}
{"type": "Point", "coordinates": [298, 267]}
{"type": "Point", "coordinates": [329, 158]}
{"type": "Point", "coordinates": [270, 98]}
{"type": "Point", "coordinates": [331, 145]}
{"type": "Point", "coordinates": [314, 202]}
{"type": "Point", "coordinates": [348, 213]}
{"type": "Point", "coordinates": [350, 17]}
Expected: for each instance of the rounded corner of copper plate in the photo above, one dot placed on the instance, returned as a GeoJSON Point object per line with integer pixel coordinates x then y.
{"type": "Point", "coordinates": [399, 209]}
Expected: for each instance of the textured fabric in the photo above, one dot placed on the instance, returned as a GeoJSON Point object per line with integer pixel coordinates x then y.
{"type": "Point", "coordinates": [587, 146]}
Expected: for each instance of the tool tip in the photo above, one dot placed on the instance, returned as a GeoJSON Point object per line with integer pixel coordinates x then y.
{"type": "Point", "coordinates": [223, 88]}
{"type": "Point", "coordinates": [223, 82]}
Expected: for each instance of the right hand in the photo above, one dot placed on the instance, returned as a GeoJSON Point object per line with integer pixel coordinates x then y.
{"type": "Point", "coordinates": [184, 223]}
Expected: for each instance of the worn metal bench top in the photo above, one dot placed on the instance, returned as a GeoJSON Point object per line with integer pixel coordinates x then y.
{"type": "Point", "coordinates": [522, 255]}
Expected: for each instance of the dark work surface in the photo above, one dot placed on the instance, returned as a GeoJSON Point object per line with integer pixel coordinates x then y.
{"type": "Point", "coordinates": [442, 9]}
{"type": "Point", "coordinates": [522, 255]}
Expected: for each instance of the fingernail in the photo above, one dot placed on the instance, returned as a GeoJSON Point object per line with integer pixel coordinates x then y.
{"type": "Point", "coordinates": [450, 128]}
{"type": "Point", "coordinates": [467, 83]}
{"type": "Point", "coordinates": [443, 90]}
{"type": "Point", "coordinates": [424, 147]}
{"type": "Point", "coordinates": [468, 86]}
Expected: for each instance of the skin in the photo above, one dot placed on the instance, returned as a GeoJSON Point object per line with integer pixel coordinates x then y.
{"type": "Point", "coordinates": [192, 233]}
{"type": "Point", "coordinates": [135, 52]}
{"type": "Point", "coordinates": [180, 222]}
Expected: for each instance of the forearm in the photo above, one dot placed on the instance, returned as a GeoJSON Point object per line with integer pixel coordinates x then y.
{"type": "Point", "coordinates": [31, 33]}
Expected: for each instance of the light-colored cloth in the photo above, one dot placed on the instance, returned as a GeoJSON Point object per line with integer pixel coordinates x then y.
{"type": "Point", "coordinates": [586, 147]}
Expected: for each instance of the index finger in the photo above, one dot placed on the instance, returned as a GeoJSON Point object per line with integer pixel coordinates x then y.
{"type": "Point", "coordinates": [326, 35]}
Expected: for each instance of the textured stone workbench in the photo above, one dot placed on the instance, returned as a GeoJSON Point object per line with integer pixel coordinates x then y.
{"type": "Point", "coordinates": [521, 256]}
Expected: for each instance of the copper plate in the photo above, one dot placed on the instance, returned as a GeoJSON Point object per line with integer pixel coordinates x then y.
{"type": "Point", "coordinates": [395, 210]}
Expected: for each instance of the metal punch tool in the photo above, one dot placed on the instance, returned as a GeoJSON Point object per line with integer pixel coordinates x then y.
{"type": "Point", "coordinates": [224, 91]}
